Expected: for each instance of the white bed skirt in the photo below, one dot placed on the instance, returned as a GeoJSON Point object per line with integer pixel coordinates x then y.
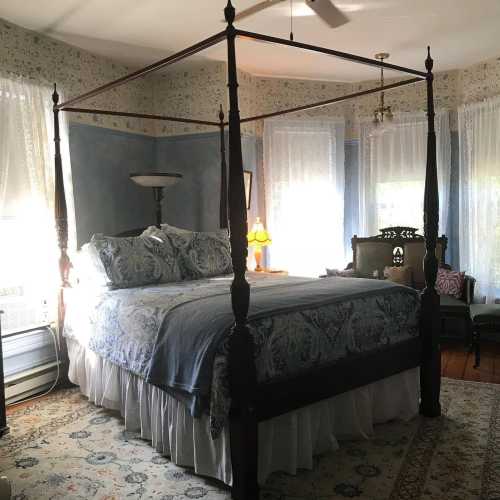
{"type": "Point", "coordinates": [286, 443]}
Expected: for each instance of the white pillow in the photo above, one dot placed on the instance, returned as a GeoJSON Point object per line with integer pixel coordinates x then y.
{"type": "Point", "coordinates": [88, 268]}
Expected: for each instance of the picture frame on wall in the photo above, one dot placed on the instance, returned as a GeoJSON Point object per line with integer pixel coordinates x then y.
{"type": "Point", "coordinates": [247, 178]}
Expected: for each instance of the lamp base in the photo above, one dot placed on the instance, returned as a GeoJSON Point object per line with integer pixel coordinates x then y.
{"type": "Point", "coordinates": [258, 256]}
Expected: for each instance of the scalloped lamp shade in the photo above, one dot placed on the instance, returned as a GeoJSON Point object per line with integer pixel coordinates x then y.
{"type": "Point", "coordinates": [258, 236]}
{"type": "Point", "coordinates": [157, 181]}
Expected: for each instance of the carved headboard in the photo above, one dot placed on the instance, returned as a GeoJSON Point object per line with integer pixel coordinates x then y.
{"type": "Point", "coordinates": [394, 246]}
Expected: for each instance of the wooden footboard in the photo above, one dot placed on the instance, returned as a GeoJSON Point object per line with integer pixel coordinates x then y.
{"type": "Point", "coordinates": [276, 398]}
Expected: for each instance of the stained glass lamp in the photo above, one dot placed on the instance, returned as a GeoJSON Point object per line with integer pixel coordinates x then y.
{"type": "Point", "coordinates": [258, 237]}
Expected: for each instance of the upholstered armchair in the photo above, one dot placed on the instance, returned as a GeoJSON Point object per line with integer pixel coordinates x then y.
{"type": "Point", "coordinates": [398, 246]}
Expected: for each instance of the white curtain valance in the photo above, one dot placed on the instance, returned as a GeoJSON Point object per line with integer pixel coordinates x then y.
{"type": "Point", "coordinates": [479, 135]}
{"type": "Point", "coordinates": [304, 188]}
{"type": "Point", "coordinates": [392, 171]}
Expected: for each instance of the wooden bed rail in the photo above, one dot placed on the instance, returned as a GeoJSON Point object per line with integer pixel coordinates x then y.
{"type": "Point", "coordinates": [323, 50]}
{"type": "Point", "coordinates": [189, 51]}
{"type": "Point", "coordinates": [61, 218]}
{"type": "Point", "coordinates": [90, 111]}
{"type": "Point", "coordinates": [334, 100]}
{"type": "Point", "coordinates": [243, 423]}
{"type": "Point", "coordinates": [430, 372]}
{"type": "Point", "coordinates": [223, 217]}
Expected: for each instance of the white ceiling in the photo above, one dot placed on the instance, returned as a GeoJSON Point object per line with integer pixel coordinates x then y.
{"type": "Point", "coordinates": [138, 32]}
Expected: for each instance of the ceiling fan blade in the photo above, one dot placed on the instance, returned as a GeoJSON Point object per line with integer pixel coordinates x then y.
{"type": "Point", "coordinates": [256, 8]}
{"type": "Point", "coordinates": [328, 12]}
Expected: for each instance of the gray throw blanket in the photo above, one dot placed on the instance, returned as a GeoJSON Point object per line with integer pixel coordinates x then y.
{"type": "Point", "coordinates": [191, 332]}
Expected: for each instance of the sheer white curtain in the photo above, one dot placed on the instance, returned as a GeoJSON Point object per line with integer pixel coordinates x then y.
{"type": "Point", "coordinates": [304, 186]}
{"type": "Point", "coordinates": [479, 133]}
{"type": "Point", "coordinates": [28, 252]}
{"type": "Point", "coordinates": [392, 172]}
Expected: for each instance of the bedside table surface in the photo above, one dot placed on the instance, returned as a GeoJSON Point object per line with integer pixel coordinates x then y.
{"type": "Point", "coordinates": [275, 271]}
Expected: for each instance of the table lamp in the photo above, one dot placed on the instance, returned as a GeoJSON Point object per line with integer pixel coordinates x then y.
{"type": "Point", "coordinates": [157, 181]}
{"type": "Point", "coordinates": [258, 237]}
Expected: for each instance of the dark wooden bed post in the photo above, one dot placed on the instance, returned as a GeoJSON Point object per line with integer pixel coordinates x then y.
{"type": "Point", "coordinates": [61, 217]}
{"type": "Point", "coordinates": [242, 373]}
{"type": "Point", "coordinates": [223, 174]}
{"type": "Point", "coordinates": [430, 372]}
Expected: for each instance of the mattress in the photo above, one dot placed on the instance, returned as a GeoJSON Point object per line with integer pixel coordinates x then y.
{"type": "Point", "coordinates": [297, 324]}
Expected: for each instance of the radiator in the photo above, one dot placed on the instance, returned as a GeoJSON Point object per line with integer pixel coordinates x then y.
{"type": "Point", "coordinates": [28, 347]}
{"type": "Point", "coordinates": [30, 365]}
{"type": "Point", "coordinates": [30, 382]}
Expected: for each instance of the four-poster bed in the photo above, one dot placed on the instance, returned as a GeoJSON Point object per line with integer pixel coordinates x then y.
{"type": "Point", "coordinates": [253, 402]}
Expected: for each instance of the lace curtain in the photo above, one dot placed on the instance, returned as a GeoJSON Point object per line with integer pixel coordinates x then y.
{"type": "Point", "coordinates": [392, 172]}
{"type": "Point", "coordinates": [29, 254]}
{"type": "Point", "coordinates": [304, 188]}
{"type": "Point", "coordinates": [479, 135]}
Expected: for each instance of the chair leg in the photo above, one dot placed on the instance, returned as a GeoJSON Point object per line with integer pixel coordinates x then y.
{"type": "Point", "coordinates": [469, 335]}
{"type": "Point", "coordinates": [477, 353]}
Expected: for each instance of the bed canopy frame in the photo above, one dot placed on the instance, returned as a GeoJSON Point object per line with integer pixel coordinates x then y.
{"type": "Point", "coordinates": [253, 402]}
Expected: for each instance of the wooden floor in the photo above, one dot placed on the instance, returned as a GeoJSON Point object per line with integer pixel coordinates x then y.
{"type": "Point", "coordinates": [457, 363]}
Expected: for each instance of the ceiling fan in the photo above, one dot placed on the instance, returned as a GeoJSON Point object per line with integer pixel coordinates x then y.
{"type": "Point", "coordinates": [324, 9]}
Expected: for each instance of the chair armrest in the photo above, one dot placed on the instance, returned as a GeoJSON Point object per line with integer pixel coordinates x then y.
{"type": "Point", "coordinates": [468, 292]}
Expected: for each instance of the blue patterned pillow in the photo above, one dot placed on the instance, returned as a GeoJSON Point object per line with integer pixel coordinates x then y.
{"type": "Point", "coordinates": [201, 254]}
{"type": "Point", "coordinates": [207, 254]}
{"type": "Point", "coordinates": [136, 261]}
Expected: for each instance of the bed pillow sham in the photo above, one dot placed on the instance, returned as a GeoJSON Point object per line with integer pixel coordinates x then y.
{"type": "Point", "coordinates": [201, 254]}
{"type": "Point", "coordinates": [137, 260]}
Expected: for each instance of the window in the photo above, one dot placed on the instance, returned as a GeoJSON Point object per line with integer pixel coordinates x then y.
{"type": "Point", "coordinates": [28, 252]}
{"type": "Point", "coordinates": [400, 204]}
{"type": "Point", "coordinates": [304, 179]}
{"type": "Point", "coordinates": [479, 133]}
{"type": "Point", "coordinates": [392, 172]}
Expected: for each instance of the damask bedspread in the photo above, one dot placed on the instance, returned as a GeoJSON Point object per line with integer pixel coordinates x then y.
{"type": "Point", "coordinates": [124, 326]}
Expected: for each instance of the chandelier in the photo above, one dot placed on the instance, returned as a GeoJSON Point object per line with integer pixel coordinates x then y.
{"type": "Point", "coordinates": [382, 111]}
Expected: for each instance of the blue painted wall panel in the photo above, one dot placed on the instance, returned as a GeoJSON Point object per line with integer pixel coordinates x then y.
{"type": "Point", "coordinates": [193, 203]}
{"type": "Point", "coordinates": [106, 201]}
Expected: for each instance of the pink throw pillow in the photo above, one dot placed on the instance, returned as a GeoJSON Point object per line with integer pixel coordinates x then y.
{"type": "Point", "coordinates": [450, 282]}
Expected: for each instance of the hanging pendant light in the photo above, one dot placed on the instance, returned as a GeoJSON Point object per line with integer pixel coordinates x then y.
{"type": "Point", "coordinates": [382, 112]}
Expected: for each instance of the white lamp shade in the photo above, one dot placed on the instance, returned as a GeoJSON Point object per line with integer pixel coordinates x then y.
{"type": "Point", "coordinates": [155, 179]}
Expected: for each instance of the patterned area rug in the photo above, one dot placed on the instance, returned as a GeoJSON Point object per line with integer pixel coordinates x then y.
{"type": "Point", "coordinates": [64, 447]}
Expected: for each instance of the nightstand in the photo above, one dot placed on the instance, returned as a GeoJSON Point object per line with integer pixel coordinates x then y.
{"type": "Point", "coordinates": [275, 272]}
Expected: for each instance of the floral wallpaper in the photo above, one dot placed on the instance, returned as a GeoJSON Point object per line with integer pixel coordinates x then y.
{"type": "Point", "coordinates": [411, 97]}
{"type": "Point", "coordinates": [480, 81]}
{"type": "Point", "coordinates": [41, 58]}
{"type": "Point", "coordinates": [258, 95]}
{"type": "Point", "coordinates": [197, 91]}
